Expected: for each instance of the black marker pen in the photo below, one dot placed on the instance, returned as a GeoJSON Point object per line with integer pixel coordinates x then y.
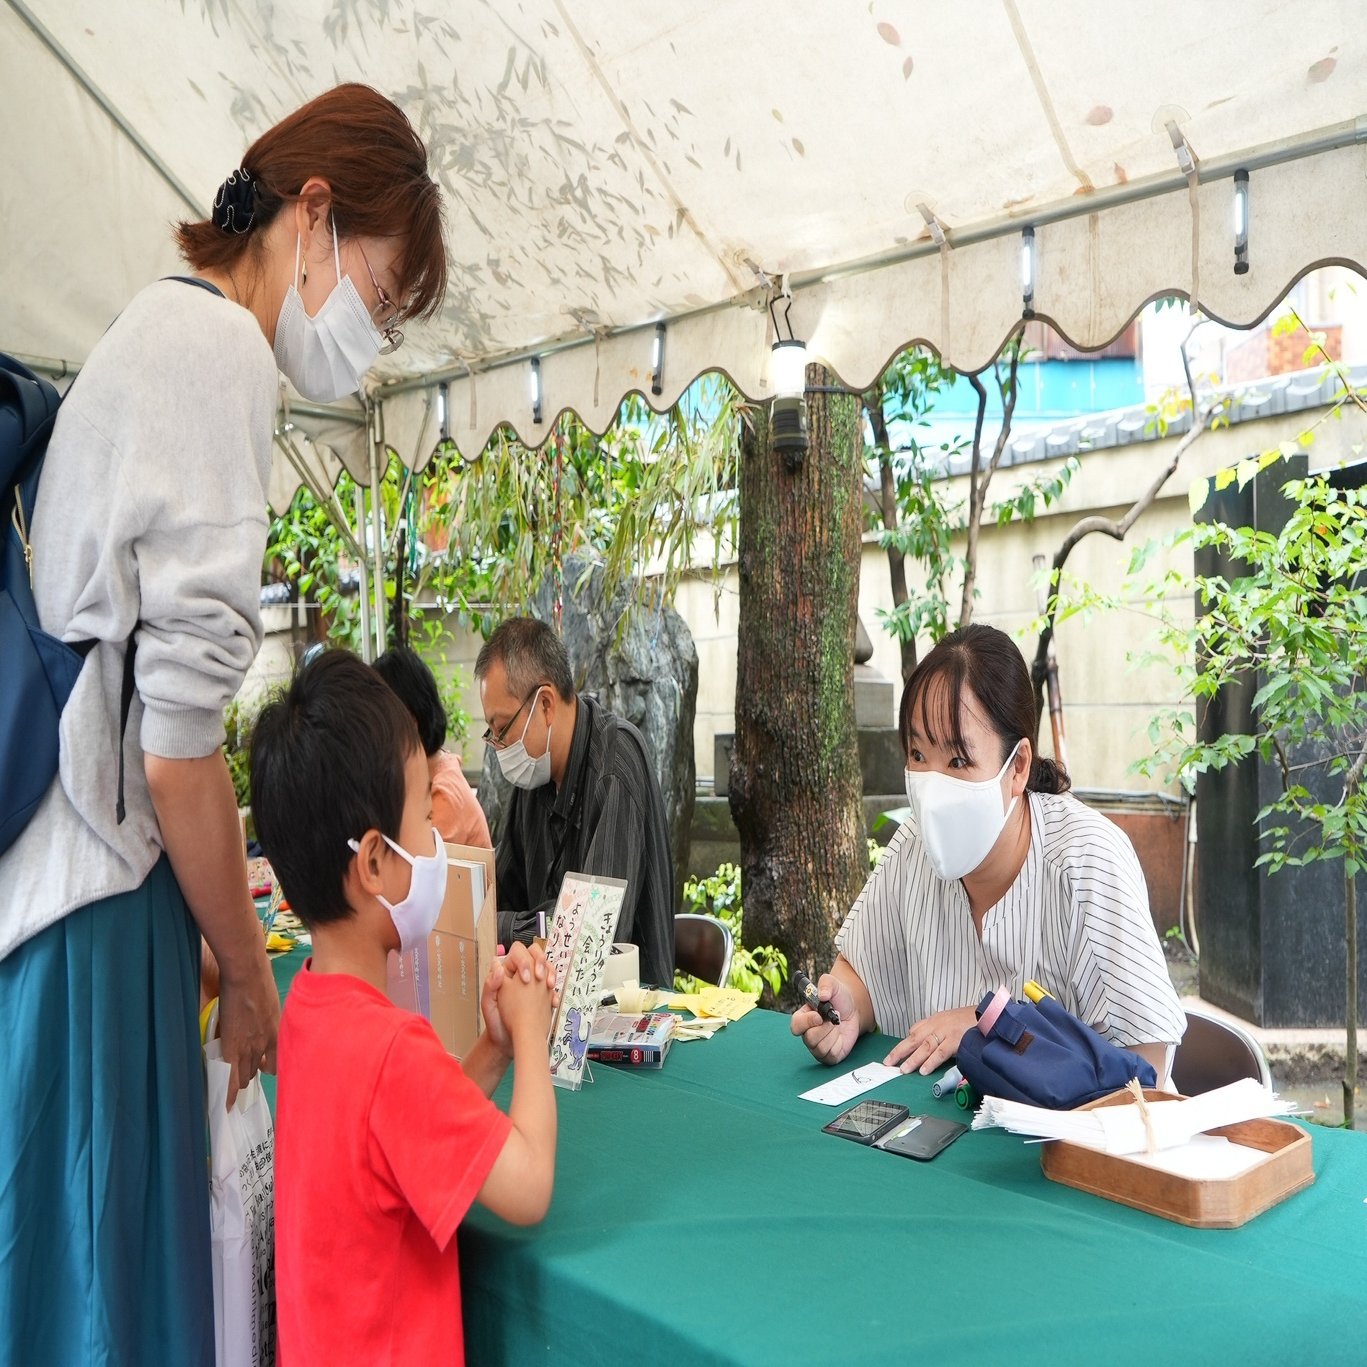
{"type": "Point", "coordinates": [807, 987]}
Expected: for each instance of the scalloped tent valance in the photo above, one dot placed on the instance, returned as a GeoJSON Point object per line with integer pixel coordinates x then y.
{"type": "Point", "coordinates": [612, 166]}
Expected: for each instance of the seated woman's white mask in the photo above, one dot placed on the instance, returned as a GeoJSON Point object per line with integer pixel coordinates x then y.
{"type": "Point", "coordinates": [958, 820]}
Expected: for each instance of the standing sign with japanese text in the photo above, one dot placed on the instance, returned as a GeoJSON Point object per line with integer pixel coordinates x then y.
{"type": "Point", "coordinates": [577, 948]}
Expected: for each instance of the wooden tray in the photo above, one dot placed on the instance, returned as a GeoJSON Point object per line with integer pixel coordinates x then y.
{"type": "Point", "coordinates": [1208, 1204]}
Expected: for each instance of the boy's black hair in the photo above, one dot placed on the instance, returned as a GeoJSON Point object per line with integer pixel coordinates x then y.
{"type": "Point", "coordinates": [327, 765]}
{"type": "Point", "coordinates": [404, 671]}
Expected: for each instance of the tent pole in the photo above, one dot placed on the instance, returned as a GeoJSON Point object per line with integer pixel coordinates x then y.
{"type": "Point", "coordinates": [84, 80]}
{"type": "Point", "coordinates": [57, 369]}
{"type": "Point", "coordinates": [398, 521]}
{"type": "Point", "coordinates": [326, 499]}
{"type": "Point", "coordinates": [377, 543]}
{"type": "Point", "coordinates": [367, 645]}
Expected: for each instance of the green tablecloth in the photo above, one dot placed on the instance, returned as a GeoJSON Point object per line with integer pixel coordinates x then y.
{"type": "Point", "coordinates": [701, 1216]}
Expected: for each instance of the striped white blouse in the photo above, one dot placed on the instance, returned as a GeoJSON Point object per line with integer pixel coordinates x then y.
{"type": "Point", "coordinates": [1076, 920]}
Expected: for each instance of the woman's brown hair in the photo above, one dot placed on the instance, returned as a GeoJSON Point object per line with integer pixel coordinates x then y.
{"type": "Point", "coordinates": [987, 661]}
{"type": "Point", "coordinates": [363, 145]}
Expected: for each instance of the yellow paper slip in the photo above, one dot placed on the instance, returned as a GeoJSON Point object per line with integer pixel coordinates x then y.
{"type": "Point", "coordinates": [726, 1001]}
{"type": "Point", "coordinates": [679, 1001]}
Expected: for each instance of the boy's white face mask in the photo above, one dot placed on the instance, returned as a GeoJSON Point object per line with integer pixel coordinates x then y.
{"type": "Point", "coordinates": [415, 917]}
{"type": "Point", "coordinates": [959, 820]}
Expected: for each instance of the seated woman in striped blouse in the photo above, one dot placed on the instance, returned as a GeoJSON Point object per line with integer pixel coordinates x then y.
{"type": "Point", "coordinates": [997, 876]}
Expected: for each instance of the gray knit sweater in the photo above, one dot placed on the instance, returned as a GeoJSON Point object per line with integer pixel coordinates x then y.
{"type": "Point", "coordinates": [151, 515]}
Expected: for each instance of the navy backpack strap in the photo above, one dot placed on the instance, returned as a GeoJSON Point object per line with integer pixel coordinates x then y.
{"type": "Point", "coordinates": [195, 280]}
{"type": "Point", "coordinates": [125, 702]}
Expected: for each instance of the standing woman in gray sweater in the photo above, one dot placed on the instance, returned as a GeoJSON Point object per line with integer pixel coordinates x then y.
{"type": "Point", "coordinates": [150, 528]}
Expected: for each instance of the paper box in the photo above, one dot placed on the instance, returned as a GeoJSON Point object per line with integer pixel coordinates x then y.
{"type": "Point", "coordinates": [1209, 1204]}
{"type": "Point", "coordinates": [441, 980]}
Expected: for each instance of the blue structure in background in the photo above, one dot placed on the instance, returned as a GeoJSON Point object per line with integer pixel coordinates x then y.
{"type": "Point", "coordinates": [1051, 392]}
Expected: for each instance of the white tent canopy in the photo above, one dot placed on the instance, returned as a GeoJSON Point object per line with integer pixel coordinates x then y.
{"type": "Point", "coordinates": [609, 166]}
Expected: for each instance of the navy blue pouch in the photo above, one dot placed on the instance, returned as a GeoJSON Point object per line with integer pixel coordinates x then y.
{"type": "Point", "coordinates": [1045, 1056]}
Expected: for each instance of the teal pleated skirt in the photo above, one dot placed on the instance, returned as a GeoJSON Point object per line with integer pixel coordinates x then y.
{"type": "Point", "coordinates": [104, 1202]}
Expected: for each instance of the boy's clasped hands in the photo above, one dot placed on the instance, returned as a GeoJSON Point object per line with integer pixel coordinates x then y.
{"type": "Point", "coordinates": [518, 994]}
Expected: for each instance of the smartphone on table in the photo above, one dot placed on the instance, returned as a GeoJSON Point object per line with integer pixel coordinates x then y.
{"type": "Point", "coordinates": [920, 1136]}
{"type": "Point", "coordinates": [867, 1121]}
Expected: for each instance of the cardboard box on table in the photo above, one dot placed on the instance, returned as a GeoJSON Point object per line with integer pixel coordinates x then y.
{"type": "Point", "coordinates": [442, 978]}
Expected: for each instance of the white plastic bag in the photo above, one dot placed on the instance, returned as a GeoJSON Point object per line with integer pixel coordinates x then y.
{"type": "Point", "coordinates": [241, 1214]}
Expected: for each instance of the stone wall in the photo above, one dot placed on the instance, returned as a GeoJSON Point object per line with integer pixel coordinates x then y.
{"type": "Point", "coordinates": [639, 662]}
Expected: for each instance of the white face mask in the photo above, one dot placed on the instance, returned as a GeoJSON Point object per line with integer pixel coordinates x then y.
{"type": "Point", "coordinates": [415, 916]}
{"type": "Point", "coordinates": [327, 356]}
{"type": "Point", "coordinates": [959, 821]}
{"type": "Point", "coordinates": [518, 767]}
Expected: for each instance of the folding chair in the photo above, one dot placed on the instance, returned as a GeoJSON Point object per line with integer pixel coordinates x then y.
{"type": "Point", "coordinates": [1213, 1052]}
{"type": "Point", "coordinates": [703, 947]}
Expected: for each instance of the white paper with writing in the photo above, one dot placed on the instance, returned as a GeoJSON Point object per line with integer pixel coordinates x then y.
{"type": "Point", "coordinates": [852, 1084]}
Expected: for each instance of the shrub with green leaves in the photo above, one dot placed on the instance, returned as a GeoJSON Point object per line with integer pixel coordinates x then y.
{"type": "Point", "coordinates": [1293, 617]}
{"type": "Point", "coordinates": [752, 969]}
{"type": "Point", "coordinates": [238, 720]}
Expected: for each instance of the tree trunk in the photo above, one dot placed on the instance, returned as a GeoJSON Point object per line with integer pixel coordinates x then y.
{"type": "Point", "coordinates": [978, 476]}
{"type": "Point", "coordinates": [795, 783]}
{"type": "Point", "coordinates": [887, 508]}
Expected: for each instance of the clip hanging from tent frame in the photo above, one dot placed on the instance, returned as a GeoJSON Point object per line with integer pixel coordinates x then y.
{"type": "Point", "coordinates": [937, 229]}
{"type": "Point", "coordinates": [467, 359]}
{"type": "Point", "coordinates": [940, 238]}
{"type": "Point", "coordinates": [766, 282]}
{"type": "Point", "coordinates": [1186, 158]}
{"type": "Point", "coordinates": [1189, 164]}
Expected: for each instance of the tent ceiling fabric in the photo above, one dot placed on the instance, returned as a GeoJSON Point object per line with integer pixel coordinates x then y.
{"type": "Point", "coordinates": [609, 165]}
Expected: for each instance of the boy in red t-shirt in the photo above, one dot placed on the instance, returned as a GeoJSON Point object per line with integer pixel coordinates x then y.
{"type": "Point", "coordinates": [383, 1141]}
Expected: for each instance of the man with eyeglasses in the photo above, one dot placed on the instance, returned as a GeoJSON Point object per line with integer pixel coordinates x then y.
{"type": "Point", "coordinates": [585, 796]}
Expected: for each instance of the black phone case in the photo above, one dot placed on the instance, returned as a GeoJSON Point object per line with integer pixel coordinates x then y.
{"type": "Point", "coordinates": [931, 1137]}
{"type": "Point", "coordinates": [891, 1123]}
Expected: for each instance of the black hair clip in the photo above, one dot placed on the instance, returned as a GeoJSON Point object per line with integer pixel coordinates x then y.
{"type": "Point", "coordinates": [235, 203]}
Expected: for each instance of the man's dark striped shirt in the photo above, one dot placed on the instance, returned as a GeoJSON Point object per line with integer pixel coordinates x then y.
{"type": "Point", "coordinates": [607, 818]}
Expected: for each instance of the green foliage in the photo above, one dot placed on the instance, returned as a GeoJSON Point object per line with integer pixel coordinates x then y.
{"type": "Point", "coordinates": [1297, 615]}
{"type": "Point", "coordinates": [238, 721]}
{"type": "Point", "coordinates": [651, 497]}
{"type": "Point", "coordinates": [752, 967]}
{"type": "Point", "coordinates": [927, 520]}
{"type": "Point", "coordinates": [305, 546]}
{"type": "Point", "coordinates": [451, 690]}
{"type": "Point", "coordinates": [1044, 489]}
{"type": "Point", "coordinates": [1072, 597]}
